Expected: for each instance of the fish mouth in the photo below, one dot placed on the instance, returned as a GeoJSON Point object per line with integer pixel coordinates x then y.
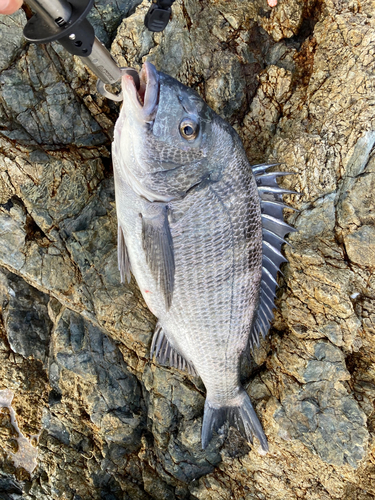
{"type": "Point", "coordinates": [142, 89]}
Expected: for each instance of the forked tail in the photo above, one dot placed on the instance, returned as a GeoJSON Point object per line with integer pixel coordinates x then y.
{"type": "Point", "coordinates": [240, 415]}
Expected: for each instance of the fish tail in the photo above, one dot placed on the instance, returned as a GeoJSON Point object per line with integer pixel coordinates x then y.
{"type": "Point", "coordinates": [240, 415]}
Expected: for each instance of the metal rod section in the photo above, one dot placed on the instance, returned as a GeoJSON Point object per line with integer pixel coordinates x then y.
{"type": "Point", "coordinates": [101, 63]}
{"type": "Point", "coordinates": [58, 11]}
{"type": "Point", "coordinates": [60, 14]}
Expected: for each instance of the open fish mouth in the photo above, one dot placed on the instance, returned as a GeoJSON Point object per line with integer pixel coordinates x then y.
{"type": "Point", "coordinates": [142, 89]}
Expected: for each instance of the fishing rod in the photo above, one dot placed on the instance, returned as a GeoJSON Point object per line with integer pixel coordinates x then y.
{"type": "Point", "coordinates": [66, 23]}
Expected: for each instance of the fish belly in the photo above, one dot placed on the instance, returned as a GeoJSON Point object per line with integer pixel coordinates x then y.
{"type": "Point", "coordinates": [129, 207]}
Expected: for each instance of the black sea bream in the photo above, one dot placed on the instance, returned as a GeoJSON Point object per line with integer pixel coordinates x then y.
{"type": "Point", "coordinates": [201, 231]}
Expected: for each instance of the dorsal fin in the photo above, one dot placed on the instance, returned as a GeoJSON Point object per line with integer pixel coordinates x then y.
{"type": "Point", "coordinates": [274, 231]}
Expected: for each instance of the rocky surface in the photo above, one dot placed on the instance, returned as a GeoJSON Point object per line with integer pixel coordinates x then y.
{"type": "Point", "coordinates": [297, 83]}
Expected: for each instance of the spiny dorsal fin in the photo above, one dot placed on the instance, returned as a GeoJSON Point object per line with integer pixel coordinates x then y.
{"type": "Point", "coordinates": [274, 231]}
{"type": "Point", "coordinates": [165, 354]}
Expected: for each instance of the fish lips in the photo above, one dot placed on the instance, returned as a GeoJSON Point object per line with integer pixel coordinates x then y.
{"type": "Point", "coordinates": [142, 92]}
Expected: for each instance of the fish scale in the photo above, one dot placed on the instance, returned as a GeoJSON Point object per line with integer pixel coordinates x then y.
{"type": "Point", "coordinates": [201, 231]}
{"type": "Point", "coordinates": [210, 287]}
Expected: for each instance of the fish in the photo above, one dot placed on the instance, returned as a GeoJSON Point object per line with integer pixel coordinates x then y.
{"type": "Point", "coordinates": [201, 231]}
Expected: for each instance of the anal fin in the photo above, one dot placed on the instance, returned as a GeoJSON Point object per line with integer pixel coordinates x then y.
{"type": "Point", "coordinates": [165, 354]}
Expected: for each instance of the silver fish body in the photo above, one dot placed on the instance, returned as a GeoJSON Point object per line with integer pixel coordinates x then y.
{"type": "Point", "coordinates": [190, 231]}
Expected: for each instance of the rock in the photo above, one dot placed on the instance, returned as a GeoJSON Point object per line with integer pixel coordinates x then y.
{"type": "Point", "coordinates": [29, 96]}
{"type": "Point", "coordinates": [296, 81]}
{"type": "Point", "coordinates": [360, 245]}
{"type": "Point", "coordinates": [8, 433]}
{"type": "Point", "coordinates": [225, 74]}
{"type": "Point", "coordinates": [25, 317]}
{"type": "Point", "coordinates": [12, 37]}
{"type": "Point", "coordinates": [113, 394]}
{"type": "Point", "coordinates": [106, 16]}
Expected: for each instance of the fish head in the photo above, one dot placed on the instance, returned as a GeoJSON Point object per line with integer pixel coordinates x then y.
{"type": "Point", "coordinates": [163, 135]}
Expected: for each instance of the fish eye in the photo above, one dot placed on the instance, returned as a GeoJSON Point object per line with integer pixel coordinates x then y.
{"type": "Point", "coordinates": [189, 129]}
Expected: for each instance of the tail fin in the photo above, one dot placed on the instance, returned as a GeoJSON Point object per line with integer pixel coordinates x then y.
{"type": "Point", "coordinates": [241, 416]}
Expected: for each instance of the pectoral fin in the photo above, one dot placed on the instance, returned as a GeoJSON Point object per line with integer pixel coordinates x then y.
{"type": "Point", "coordinates": [158, 246]}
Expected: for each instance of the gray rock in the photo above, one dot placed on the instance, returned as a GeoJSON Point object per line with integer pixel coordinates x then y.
{"type": "Point", "coordinates": [327, 420]}
{"type": "Point", "coordinates": [12, 39]}
{"type": "Point", "coordinates": [55, 428]}
{"type": "Point", "coordinates": [113, 400]}
{"type": "Point", "coordinates": [106, 17]}
{"type": "Point", "coordinates": [39, 101]}
{"type": "Point", "coordinates": [25, 316]}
